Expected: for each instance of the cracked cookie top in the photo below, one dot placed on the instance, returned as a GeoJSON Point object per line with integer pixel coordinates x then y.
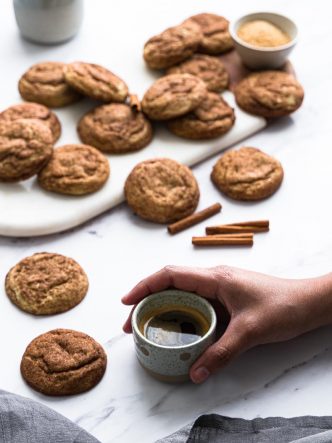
{"type": "Point", "coordinates": [75, 170]}
{"type": "Point", "coordinates": [115, 128]}
{"type": "Point", "coordinates": [34, 111]}
{"type": "Point", "coordinates": [212, 118]}
{"type": "Point", "coordinates": [63, 362]}
{"type": "Point", "coordinates": [162, 190]}
{"type": "Point", "coordinates": [172, 46]}
{"type": "Point", "coordinates": [25, 147]}
{"type": "Point", "coordinates": [173, 95]}
{"type": "Point", "coordinates": [269, 94]}
{"type": "Point", "coordinates": [247, 174]}
{"type": "Point", "coordinates": [216, 37]}
{"type": "Point", "coordinates": [45, 83]}
{"type": "Point", "coordinates": [46, 283]}
{"type": "Point", "coordinates": [96, 82]}
{"type": "Point", "coordinates": [209, 69]}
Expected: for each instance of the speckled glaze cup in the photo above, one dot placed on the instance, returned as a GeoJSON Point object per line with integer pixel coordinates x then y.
{"type": "Point", "coordinates": [171, 364]}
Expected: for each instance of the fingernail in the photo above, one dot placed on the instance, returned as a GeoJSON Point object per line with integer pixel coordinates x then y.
{"type": "Point", "coordinates": [200, 374]}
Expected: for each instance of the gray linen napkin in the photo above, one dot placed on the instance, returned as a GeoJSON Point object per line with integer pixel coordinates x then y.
{"type": "Point", "coordinates": [216, 428]}
{"type": "Point", "coordinates": [26, 421]}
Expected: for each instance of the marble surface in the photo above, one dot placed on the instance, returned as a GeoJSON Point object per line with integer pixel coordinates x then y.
{"type": "Point", "coordinates": [117, 249]}
{"type": "Point", "coordinates": [28, 210]}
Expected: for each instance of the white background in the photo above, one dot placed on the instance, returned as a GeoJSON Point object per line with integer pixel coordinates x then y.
{"type": "Point", "coordinates": [117, 249]}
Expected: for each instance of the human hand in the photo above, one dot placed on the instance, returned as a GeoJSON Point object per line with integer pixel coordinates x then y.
{"type": "Point", "coordinates": [262, 309]}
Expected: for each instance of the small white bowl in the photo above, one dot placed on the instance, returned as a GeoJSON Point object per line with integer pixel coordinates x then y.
{"type": "Point", "coordinates": [257, 57]}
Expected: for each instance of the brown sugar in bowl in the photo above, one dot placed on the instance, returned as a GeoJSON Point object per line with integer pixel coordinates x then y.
{"type": "Point", "coordinates": [264, 57]}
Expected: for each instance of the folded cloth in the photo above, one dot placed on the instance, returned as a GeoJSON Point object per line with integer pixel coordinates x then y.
{"type": "Point", "coordinates": [216, 428]}
{"type": "Point", "coordinates": [26, 421]}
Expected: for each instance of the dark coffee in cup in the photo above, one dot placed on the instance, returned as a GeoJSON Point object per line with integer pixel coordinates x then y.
{"type": "Point", "coordinates": [171, 329]}
{"type": "Point", "coordinates": [174, 325]}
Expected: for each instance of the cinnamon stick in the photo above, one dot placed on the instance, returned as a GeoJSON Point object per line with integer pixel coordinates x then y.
{"type": "Point", "coordinates": [229, 229]}
{"type": "Point", "coordinates": [135, 104]}
{"type": "Point", "coordinates": [249, 226]}
{"type": "Point", "coordinates": [261, 223]}
{"type": "Point", "coordinates": [237, 235]}
{"type": "Point", "coordinates": [217, 240]}
{"type": "Point", "coordinates": [193, 219]}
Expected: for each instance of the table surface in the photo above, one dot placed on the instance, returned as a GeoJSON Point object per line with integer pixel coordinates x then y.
{"type": "Point", "coordinates": [117, 249]}
{"type": "Point", "coordinates": [27, 210]}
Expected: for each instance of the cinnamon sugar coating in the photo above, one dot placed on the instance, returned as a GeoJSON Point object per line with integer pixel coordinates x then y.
{"type": "Point", "coordinates": [172, 96]}
{"type": "Point", "coordinates": [172, 46]}
{"type": "Point", "coordinates": [96, 82]}
{"type": "Point", "coordinates": [45, 83]}
{"type": "Point", "coordinates": [75, 170]}
{"type": "Point", "coordinates": [247, 174]}
{"type": "Point", "coordinates": [115, 128]}
{"type": "Point", "coordinates": [269, 94]}
{"type": "Point", "coordinates": [162, 190]}
{"type": "Point", "coordinates": [35, 111]}
{"type": "Point", "coordinates": [212, 118]}
{"type": "Point", "coordinates": [209, 69]}
{"type": "Point", "coordinates": [63, 362]}
{"type": "Point", "coordinates": [216, 37]}
{"type": "Point", "coordinates": [46, 283]}
{"type": "Point", "coordinates": [25, 147]}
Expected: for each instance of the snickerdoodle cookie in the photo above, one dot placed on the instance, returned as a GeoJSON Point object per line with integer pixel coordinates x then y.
{"type": "Point", "coordinates": [162, 190]}
{"type": "Point", "coordinates": [212, 118]}
{"type": "Point", "coordinates": [96, 82]}
{"type": "Point", "coordinates": [75, 170]}
{"type": "Point", "coordinates": [63, 362]}
{"type": "Point", "coordinates": [216, 37]}
{"type": "Point", "coordinates": [46, 283]}
{"type": "Point", "coordinates": [25, 147]}
{"type": "Point", "coordinates": [269, 94]}
{"type": "Point", "coordinates": [173, 95]}
{"type": "Point", "coordinates": [35, 111]}
{"type": "Point", "coordinates": [247, 174]}
{"type": "Point", "coordinates": [45, 83]}
{"type": "Point", "coordinates": [115, 128]}
{"type": "Point", "coordinates": [209, 69]}
{"type": "Point", "coordinates": [172, 46]}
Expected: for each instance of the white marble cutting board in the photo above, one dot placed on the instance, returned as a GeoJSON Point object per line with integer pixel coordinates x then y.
{"type": "Point", "coordinates": [27, 210]}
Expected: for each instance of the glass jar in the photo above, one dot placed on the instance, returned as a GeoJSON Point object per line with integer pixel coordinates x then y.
{"type": "Point", "coordinates": [48, 21]}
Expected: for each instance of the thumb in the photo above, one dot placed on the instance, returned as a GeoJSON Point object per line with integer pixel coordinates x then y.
{"type": "Point", "coordinates": [218, 355]}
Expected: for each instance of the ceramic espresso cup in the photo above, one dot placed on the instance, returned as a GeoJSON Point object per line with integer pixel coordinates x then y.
{"type": "Point", "coordinates": [171, 363]}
